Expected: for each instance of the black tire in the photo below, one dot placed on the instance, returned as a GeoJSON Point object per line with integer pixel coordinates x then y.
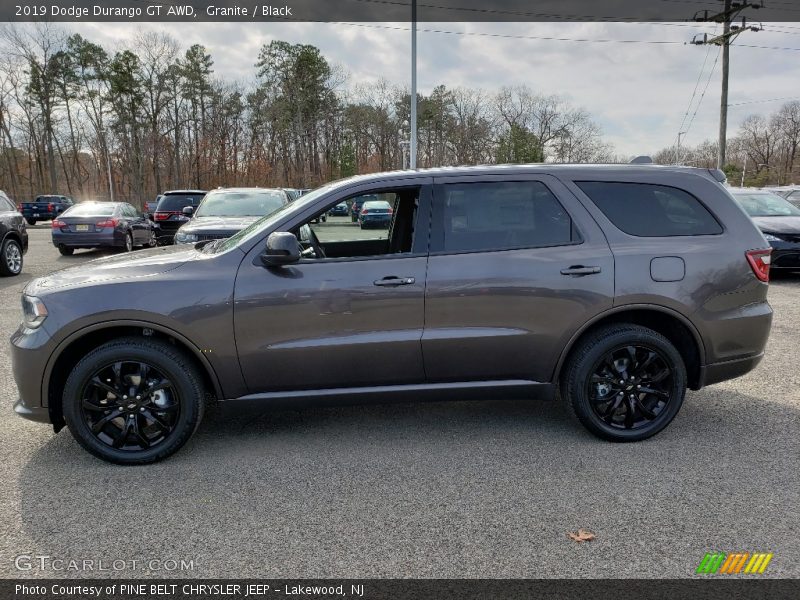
{"type": "Point", "coordinates": [128, 247]}
{"type": "Point", "coordinates": [10, 258]}
{"type": "Point", "coordinates": [153, 240]}
{"type": "Point", "coordinates": [616, 409]}
{"type": "Point", "coordinates": [185, 390]}
{"type": "Point", "coordinates": [65, 251]}
{"type": "Point", "coordinates": [31, 221]}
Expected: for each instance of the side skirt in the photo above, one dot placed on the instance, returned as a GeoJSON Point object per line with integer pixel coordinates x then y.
{"type": "Point", "coordinates": [390, 394]}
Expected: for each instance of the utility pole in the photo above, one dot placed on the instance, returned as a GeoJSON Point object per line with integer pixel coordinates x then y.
{"type": "Point", "coordinates": [413, 145]}
{"type": "Point", "coordinates": [729, 33]}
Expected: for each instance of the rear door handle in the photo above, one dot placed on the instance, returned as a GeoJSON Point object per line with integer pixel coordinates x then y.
{"type": "Point", "coordinates": [393, 281]}
{"type": "Point", "coordinates": [580, 270]}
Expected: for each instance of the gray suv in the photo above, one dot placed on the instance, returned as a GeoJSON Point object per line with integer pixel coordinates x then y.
{"type": "Point", "coordinates": [618, 286]}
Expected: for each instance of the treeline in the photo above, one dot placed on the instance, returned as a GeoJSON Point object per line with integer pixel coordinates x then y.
{"type": "Point", "coordinates": [765, 149]}
{"type": "Point", "coordinates": [156, 116]}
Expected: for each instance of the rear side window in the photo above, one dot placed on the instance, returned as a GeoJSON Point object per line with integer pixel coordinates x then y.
{"type": "Point", "coordinates": [177, 202]}
{"type": "Point", "coordinates": [503, 215]}
{"type": "Point", "coordinates": [649, 210]}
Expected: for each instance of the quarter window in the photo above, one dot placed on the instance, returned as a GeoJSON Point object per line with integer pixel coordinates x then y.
{"type": "Point", "coordinates": [649, 210]}
{"type": "Point", "coordinates": [503, 216]}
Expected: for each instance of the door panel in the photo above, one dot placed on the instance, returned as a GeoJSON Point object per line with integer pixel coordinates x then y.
{"type": "Point", "coordinates": [507, 314]}
{"type": "Point", "coordinates": [334, 322]}
{"type": "Point", "coordinates": [326, 324]}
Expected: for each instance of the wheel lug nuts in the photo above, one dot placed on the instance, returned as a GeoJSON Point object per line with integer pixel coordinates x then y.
{"type": "Point", "coordinates": [124, 397]}
{"type": "Point", "coordinates": [138, 397]}
{"type": "Point", "coordinates": [141, 409]}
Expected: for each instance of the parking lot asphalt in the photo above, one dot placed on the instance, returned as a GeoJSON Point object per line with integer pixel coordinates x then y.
{"type": "Point", "coordinates": [457, 489]}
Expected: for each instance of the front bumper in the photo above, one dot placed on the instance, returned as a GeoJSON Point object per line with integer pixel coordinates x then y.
{"type": "Point", "coordinates": [39, 414]}
{"type": "Point", "coordinates": [785, 255]}
{"type": "Point", "coordinates": [30, 350]}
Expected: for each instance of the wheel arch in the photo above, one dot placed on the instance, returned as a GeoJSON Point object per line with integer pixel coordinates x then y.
{"type": "Point", "coordinates": [677, 328]}
{"type": "Point", "coordinates": [14, 235]}
{"type": "Point", "coordinates": [70, 350]}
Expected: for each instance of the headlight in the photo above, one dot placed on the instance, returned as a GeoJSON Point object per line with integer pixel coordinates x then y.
{"type": "Point", "coordinates": [185, 238]}
{"type": "Point", "coordinates": [772, 238]}
{"type": "Point", "coordinates": [34, 312]}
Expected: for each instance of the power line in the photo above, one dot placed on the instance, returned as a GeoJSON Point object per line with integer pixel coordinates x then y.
{"type": "Point", "coordinates": [763, 101]}
{"type": "Point", "coordinates": [705, 89]}
{"type": "Point", "coordinates": [691, 100]}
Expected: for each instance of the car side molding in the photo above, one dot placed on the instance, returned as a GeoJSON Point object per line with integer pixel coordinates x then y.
{"type": "Point", "coordinates": [509, 389]}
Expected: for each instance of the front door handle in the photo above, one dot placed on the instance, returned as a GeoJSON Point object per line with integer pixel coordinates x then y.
{"type": "Point", "coordinates": [580, 270]}
{"type": "Point", "coordinates": [393, 281]}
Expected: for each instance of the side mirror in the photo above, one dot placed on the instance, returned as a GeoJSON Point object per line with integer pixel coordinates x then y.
{"type": "Point", "coordinates": [188, 211]}
{"type": "Point", "coordinates": [282, 249]}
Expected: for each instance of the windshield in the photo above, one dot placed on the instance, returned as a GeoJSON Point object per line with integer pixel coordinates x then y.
{"type": "Point", "coordinates": [90, 209]}
{"type": "Point", "coordinates": [176, 202]}
{"type": "Point", "coordinates": [255, 203]}
{"type": "Point", "coordinates": [263, 223]}
{"type": "Point", "coordinates": [766, 205]}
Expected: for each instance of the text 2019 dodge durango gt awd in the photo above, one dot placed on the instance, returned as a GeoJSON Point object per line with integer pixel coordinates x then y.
{"type": "Point", "coordinates": [619, 286]}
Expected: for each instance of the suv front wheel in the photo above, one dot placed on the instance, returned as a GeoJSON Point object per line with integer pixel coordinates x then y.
{"type": "Point", "coordinates": [133, 400]}
{"type": "Point", "coordinates": [624, 382]}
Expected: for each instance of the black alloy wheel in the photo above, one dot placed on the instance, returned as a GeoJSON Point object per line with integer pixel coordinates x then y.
{"type": "Point", "coordinates": [130, 405]}
{"type": "Point", "coordinates": [630, 386]}
{"type": "Point", "coordinates": [133, 400]}
{"type": "Point", "coordinates": [624, 382]}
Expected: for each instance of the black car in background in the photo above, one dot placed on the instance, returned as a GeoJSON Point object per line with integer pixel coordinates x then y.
{"type": "Point", "coordinates": [358, 203]}
{"type": "Point", "coordinates": [169, 213]}
{"type": "Point", "coordinates": [340, 210]}
{"type": "Point", "coordinates": [102, 225]}
{"type": "Point", "coordinates": [226, 211]}
{"type": "Point", "coordinates": [14, 236]}
{"type": "Point", "coordinates": [778, 220]}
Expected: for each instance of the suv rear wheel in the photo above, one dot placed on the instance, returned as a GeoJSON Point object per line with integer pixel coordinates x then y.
{"type": "Point", "coordinates": [133, 400]}
{"type": "Point", "coordinates": [625, 382]}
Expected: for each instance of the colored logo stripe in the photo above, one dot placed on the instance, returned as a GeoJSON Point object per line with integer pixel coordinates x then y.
{"type": "Point", "coordinates": [723, 563]}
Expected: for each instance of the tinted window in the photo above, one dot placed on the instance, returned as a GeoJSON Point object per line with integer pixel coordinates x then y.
{"type": "Point", "coordinates": [496, 216]}
{"type": "Point", "coordinates": [649, 210]}
{"type": "Point", "coordinates": [766, 205]}
{"type": "Point", "coordinates": [177, 202]}
{"type": "Point", "coordinates": [90, 209]}
{"type": "Point", "coordinates": [241, 203]}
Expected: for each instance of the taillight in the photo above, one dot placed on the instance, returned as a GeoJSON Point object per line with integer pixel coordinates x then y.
{"type": "Point", "coordinates": [55, 224]}
{"type": "Point", "coordinates": [51, 207]}
{"type": "Point", "coordinates": [364, 211]}
{"type": "Point", "coordinates": [759, 261]}
{"type": "Point", "coordinates": [107, 223]}
{"type": "Point", "coordinates": [19, 207]}
{"type": "Point", "coordinates": [391, 210]}
{"type": "Point", "coordinates": [161, 216]}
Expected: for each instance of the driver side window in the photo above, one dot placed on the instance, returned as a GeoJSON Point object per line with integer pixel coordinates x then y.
{"type": "Point", "coordinates": [377, 223]}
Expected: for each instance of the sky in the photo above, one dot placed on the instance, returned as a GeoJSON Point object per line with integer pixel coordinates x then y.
{"type": "Point", "coordinates": [639, 93]}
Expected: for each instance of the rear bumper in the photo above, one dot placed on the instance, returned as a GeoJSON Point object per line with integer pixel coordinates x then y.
{"type": "Point", "coordinates": [88, 240]}
{"type": "Point", "coordinates": [730, 369]}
